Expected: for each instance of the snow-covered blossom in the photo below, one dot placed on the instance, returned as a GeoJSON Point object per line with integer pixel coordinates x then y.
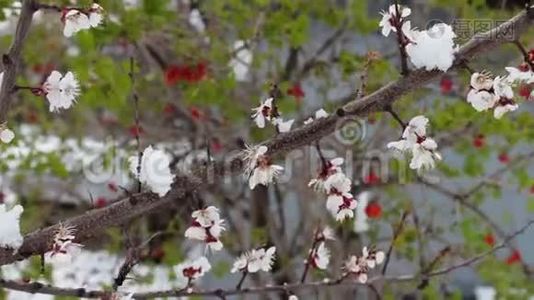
{"type": "Point", "coordinates": [293, 297]}
{"type": "Point", "coordinates": [283, 126]}
{"type": "Point", "coordinates": [155, 171]}
{"type": "Point", "coordinates": [207, 226]}
{"type": "Point", "coordinates": [340, 201]}
{"type": "Point", "coordinates": [259, 167]}
{"type": "Point", "coordinates": [193, 269]}
{"type": "Point", "coordinates": [255, 260]}
{"type": "Point", "coordinates": [320, 113]}
{"type": "Point", "coordinates": [10, 236]}
{"type": "Point", "coordinates": [6, 135]}
{"type": "Point", "coordinates": [263, 113]}
{"type": "Point", "coordinates": [76, 20]}
{"type": "Point", "coordinates": [330, 168]}
{"type": "Point", "coordinates": [64, 247]}
{"type": "Point", "coordinates": [433, 48]}
{"type": "Point", "coordinates": [414, 141]}
{"type": "Point", "coordinates": [359, 266]}
{"type": "Point", "coordinates": [320, 257]}
{"type": "Point", "coordinates": [390, 20]}
{"type": "Point", "coordinates": [61, 91]}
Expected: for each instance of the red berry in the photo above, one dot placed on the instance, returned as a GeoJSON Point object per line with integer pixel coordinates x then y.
{"type": "Point", "coordinates": [445, 85]}
{"type": "Point", "coordinates": [532, 189]}
{"type": "Point", "coordinates": [525, 90]}
{"type": "Point", "coordinates": [489, 239]}
{"type": "Point", "coordinates": [113, 187]}
{"type": "Point", "coordinates": [135, 131]}
{"type": "Point", "coordinates": [2, 197]}
{"type": "Point", "coordinates": [504, 158]}
{"type": "Point", "coordinates": [101, 202]}
{"type": "Point", "coordinates": [372, 178]}
{"type": "Point", "coordinates": [173, 74]}
{"type": "Point", "coordinates": [373, 210]}
{"type": "Point", "coordinates": [479, 141]}
{"type": "Point", "coordinates": [196, 113]}
{"type": "Point", "coordinates": [513, 258]}
{"type": "Point", "coordinates": [169, 110]}
{"type": "Point", "coordinates": [297, 92]}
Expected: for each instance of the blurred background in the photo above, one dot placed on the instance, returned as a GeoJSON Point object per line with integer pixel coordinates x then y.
{"type": "Point", "coordinates": [201, 66]}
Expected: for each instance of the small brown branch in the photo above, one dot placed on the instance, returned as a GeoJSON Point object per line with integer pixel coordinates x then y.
{"type": "Point", "coordinates": [396, 232]}
{"type": "Point", "coordinates": [395, 116]}
{"type": "Point", "coordinates": [135, 97]}
{"type": "Point", "coordinates": [241, 280]}
{"type": "Point", "coordinates": [524, 52]}
{"type": "Point", "coordinates": [401, 41]}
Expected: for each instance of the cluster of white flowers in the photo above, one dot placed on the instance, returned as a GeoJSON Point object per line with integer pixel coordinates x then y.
{"type": "Point", "coordinates": [267, 112]}
{"type": "Point", "coordinates": [192, 270]}
{"type": "Point", "coordinates": [10, 236]}
{"type": "Point", "coordinates": [359, 266]}
{"type": "Point", "coordinates": [64, 247]}
{"type": "Point", "coordinates": [497, 93]}
{"type": "Point", "coordinates": [77, 19]}
{"type": "Point", "coordinates": [414, 141]}
{"type": "Point", "coordinates": [332, 181]}
{"type": "Point", "coordinates": [155, 170]}
{"type": "Point", "coordinates": [207, 226]}
{"type": "Point", "coordinates": [255, 260]}
{"type": "Point", "coordinates": [258, 166]}
{"type": "Point", "coordinates": [61, 91]}
{"type": "Point", "coordinates": [430, 49]}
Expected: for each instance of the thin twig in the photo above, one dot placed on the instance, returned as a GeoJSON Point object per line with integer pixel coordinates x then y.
{"type": "Point", "coordinates": [396, 232]}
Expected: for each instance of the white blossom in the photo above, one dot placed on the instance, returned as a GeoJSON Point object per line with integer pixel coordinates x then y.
{"type": "Point", "coordinates": [96, 15]}
{"type": "Point", "coordinates": [75, 20]}
{"type": "Point", "coordinates": [481, 81]}
{"type": "Point", "coordinates": [433, 48]}
{"type": "Point", "coordinates": [515, 74]}
{"type": "Point", "coordinates": [262, 113]}
{"type": "Point", "coordinates": [207, 226]}
{"type": "Point", "coordinates": [414, 141]}
{"type": "Point", "coordinates": [64, 248]}
{"type": "Point", "coordinates": [340, 201]}
{"type": "Point", "coordinates": [389, 18]}
{"type": "Point", "coordinates": [359, 266]}
{"type": "Point", "coordinates": [255, 260]}
{"type": "Point", "coordinates": [258, 166]}
{"type": "Point", "coordinates": [331, 167]}
{"type": "Point", "coordinates": [293, 297]}
{"type": "Point", "coordinates": [61, 91]}
{"type": "Point", "coordinates": [261, 259]}
{"type": "Point", "coordinates": [500, 110]}
{"type": "Point", "coordinates": [6, 135]}
{"type": "Point", "coordinates": [321, 257]}
{"type": "Point", "coordinates": [155, 170]}
{"type": "Point", "coordinates": [195, 19]}
{"type": "Point", "coordinates": [373, 258]}
{"type": "Point", "coordinates": [482, 100]}
{"type": "Point", "coordinates": [10, 236]}
{"type": "Point", "coordinates": [502, 88]}
{"type": "Point", "coordinates": [192, 269]}
{"type": "Point", "coordinates": [240, 64]}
